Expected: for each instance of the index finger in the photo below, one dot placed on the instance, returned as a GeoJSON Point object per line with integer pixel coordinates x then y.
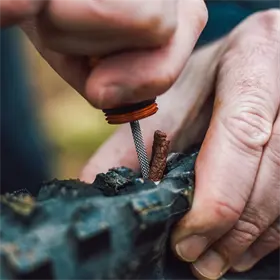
{"type": "Point", "coordinates": [113, 15]}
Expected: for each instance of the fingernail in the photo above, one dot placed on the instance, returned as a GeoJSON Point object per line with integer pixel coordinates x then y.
{"type": "Point", "coordinates": [245, 263]}
{"type": "Point", "coordinates": [211, 265]}
{"type": "Point", "coordinates": [190, 248]}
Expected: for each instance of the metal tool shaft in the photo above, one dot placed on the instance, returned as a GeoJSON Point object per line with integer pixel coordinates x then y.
{"type": "Point", "coordinates": [140, 148]}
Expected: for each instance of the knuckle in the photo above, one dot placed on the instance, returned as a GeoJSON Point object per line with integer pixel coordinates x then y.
{"type": "Point", "coordinates": [246, 232]}
{"type": "Point", "coordinates": [248, 129]}
{"type": "Point", "coordinates": [201, 13]}
{"type": "Point", "coordinates": [271, 236]}
{"type": "Point", "coordinates": [158, 24]}
{"type": "Point", "coordinates": [262, 24]}
{"type": "Point", "coordinates": [169, 78]}
{"type": "Point", "coordinates": [198, 16]}
{"type": "Point", "coordinates": [273, 148]}
{"type": "Point", "coordinates": [225, 211]}
{"type": "Point", "coordinates": [254, 219]}
{"type": "Point", "coordinates": [251, 224]}
{"type": "Point", "coordinates": [257, 35]}
{"type": "Point", "coordinates": [156, 32]}
{"type": "Point", "coordinates": [160, 83]}
{"type": "Point", "coordinates": [270, 22]}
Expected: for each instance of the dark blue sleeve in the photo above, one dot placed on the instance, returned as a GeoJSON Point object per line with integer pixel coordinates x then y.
{"type": "Point", "coordinates": [223, 17]}
{"type": "Point", "coordinates": [24, 149]}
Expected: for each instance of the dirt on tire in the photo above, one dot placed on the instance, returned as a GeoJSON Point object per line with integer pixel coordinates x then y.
{"type": "Point", "coordinates": [115, 228]}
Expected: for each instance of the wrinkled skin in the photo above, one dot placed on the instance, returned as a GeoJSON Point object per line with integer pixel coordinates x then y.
{"type": "Point", "coordinates": [234, 220]}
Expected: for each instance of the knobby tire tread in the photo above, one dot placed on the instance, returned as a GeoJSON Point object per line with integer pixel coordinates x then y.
{"type": "Point", "coordinates": [114, 228]}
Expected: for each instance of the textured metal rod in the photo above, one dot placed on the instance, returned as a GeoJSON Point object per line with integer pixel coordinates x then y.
{"type": "Point", "coordinates": [140, 148]}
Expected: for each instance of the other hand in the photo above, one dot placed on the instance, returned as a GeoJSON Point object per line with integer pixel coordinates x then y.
{"type": "Point", "coordinates": [229, 95]}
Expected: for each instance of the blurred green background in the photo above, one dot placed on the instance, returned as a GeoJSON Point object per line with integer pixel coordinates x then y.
{"type": "Point", "coordinates": [74, 128]}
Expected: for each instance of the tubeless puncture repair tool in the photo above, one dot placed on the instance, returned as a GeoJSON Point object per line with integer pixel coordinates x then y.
{"type": "Point", "coordinates": [132, 114]}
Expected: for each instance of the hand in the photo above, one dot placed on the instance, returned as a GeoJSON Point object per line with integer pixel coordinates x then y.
{"type": "Point", "coordinates": [234, 219]}
{"type": "Point", "coordinates": [139, 47]}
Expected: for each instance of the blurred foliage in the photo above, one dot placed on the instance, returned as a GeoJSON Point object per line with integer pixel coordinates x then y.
{"type": "Point", "coordinates": [74, 128]}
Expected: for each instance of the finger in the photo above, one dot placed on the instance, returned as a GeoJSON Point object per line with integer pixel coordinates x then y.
{"type": "Point", "coordinates": [87, 43]}
{"type": "Point", "coordinates": [268, 242]}
{"type": "Point", "coordinates": [187, 97]}
{"type": "Point", "coordinates": [155, 20]}
{"type": "Point", "coordinates": [14, 11]}
{"type": "Point", "coordinates": [262, 209]}
{"type": "Point", "coordinates": [140, 75]}
{"type": "Point", "coordinates": [226, 168]}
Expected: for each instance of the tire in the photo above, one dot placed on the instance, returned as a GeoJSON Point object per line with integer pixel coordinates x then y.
{"type": "Point", "coordinates": [114, 228]}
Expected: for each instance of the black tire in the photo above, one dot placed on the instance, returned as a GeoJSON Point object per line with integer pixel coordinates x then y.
{"type": "Point", "coordinates": [115, 228]}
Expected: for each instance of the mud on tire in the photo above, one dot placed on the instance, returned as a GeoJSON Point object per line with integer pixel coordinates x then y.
{"type": "Point", "coordinates": [114, 228]}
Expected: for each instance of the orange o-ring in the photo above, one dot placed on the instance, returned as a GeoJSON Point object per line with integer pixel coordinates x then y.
{"type": "Point", "coordinates": [132, 116]}
{"type": "Point", "coordinates": [127, 114]}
